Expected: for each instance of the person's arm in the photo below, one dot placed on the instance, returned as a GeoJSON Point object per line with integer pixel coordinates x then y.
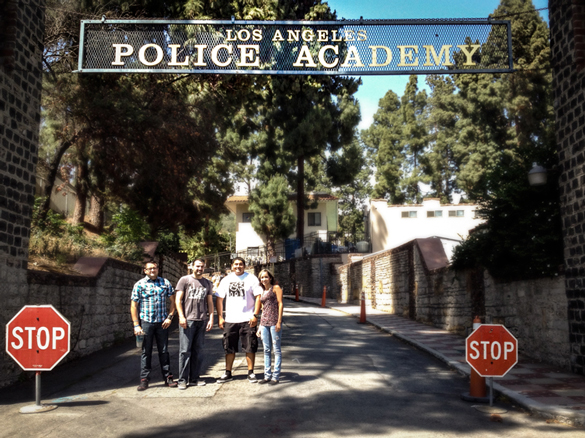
{"type": "Point", "coordinates": [220, 320]}
{"type": "Point", "coordinates": [167, 322]}
{"type": "Point", "coordinates": [179, 305]}
{"type": "Point", "coordinates": [210, 309]}
{"type": "Point", "coordinates": [135, 318]}
{"type": "Point", "coordinates": [278, 292]}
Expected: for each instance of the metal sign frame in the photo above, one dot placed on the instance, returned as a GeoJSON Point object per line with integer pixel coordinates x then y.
{"type": "Point", "coordinates": [347, 47]}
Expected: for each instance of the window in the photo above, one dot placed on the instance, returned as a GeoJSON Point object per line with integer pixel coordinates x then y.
{"type": "Point", "coordinates": [247, 217]}
{"type": "Point", "coordinates": [314, 219]}
{"type": "Point", "coordinates": [436, 213]}
{"type": "Point", "coordinates": [456, 213]}
{"type": "Point", "coordinates": [407, 214]}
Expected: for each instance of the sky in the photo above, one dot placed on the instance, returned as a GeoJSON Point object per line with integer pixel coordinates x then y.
{"type": "Point", "coordinates": [375, 87]}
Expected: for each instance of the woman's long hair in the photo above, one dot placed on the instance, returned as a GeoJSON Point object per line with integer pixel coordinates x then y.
{"type": "Point", "coordinates": [269, 275]}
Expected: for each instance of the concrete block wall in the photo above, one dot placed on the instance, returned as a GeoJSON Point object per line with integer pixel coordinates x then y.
{"type": "Point", "coordinates": [567, 22]}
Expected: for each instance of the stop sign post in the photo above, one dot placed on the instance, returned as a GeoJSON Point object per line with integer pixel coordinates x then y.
{"type": "Point", "coordinates": [38, 338]}
{"type": "Point", "coordinates": [491, 350]}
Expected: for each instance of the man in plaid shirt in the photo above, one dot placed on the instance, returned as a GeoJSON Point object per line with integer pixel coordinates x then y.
{"type": "Point", "coordinates": [150, 318]}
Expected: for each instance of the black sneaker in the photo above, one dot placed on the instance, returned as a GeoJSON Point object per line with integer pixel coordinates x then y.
{"type": "Point", "coordinates": [170, 382]}
{"type": "Point", "coordinates": [143, 385]}
{"type": "Point", "coordinates": [274, 382]}
{"type": "Point", "coordinates": [263, 381]}
{"type": "Point", "coordinates": [252, 378]}
{"type": "Point", "coordinates": [225, 378]}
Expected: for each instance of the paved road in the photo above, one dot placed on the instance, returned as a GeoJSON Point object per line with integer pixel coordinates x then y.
{"type": "Point", "coordinates": [340, 379]}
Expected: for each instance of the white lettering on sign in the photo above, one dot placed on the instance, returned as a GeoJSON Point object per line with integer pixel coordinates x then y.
{"type": "Point", "coordinates": [495, 350]}
{"type": "Point", "coordinates": [43, 338]}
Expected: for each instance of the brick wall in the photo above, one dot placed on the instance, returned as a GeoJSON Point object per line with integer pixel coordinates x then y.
{"type": "Point", "coordinates": [397, 281]}
{"type": "Point", "coordinates": [567, 21]}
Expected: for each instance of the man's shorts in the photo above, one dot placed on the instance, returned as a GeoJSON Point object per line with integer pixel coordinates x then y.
{"type": "Point", "coordinates": [234, 331]}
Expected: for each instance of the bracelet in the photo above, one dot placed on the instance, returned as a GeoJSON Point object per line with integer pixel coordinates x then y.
{"type": "Point", "coordinates": [170, 316]}
{"type": "Point", "coordinates": [257, 316]}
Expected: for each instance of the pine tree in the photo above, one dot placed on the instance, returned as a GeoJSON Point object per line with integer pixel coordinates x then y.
{"type": "Point", "coordinates": [273, 213]}
{"type": "Point", "coordinates": [384, 142]}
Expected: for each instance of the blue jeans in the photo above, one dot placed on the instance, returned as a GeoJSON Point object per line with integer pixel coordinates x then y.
{"type": "Point", "coordinates": [271, 341]}
{"type": "Point", "coordinates": [191, 342]}
{"type": "Point", "coordinates": [155, 332]}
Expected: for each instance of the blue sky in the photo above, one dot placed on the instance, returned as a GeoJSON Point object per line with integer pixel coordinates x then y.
{"type": "Point", "coordinates": [374, 87]}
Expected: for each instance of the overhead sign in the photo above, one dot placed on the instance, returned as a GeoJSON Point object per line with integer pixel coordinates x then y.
{"type": "Point", "coordinates": [349, 47]}
{"type": "Point", "coordinates": [491, 350]}
{"type": "Point", "coordinates": [38, 337]}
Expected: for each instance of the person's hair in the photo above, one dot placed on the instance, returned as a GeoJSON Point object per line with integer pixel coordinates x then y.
{"type": "Point", "coordinates": [192, 262]}
{"type": "Point", "coordinates": [151, 262]}
{"type": "Point", "coordinates": [269, 275]}
{"type": "Point", "coordinates": [240, 259]}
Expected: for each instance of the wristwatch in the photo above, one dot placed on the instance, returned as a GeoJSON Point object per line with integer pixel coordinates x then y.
{"type": "Point", "coordinates": [257, 316]}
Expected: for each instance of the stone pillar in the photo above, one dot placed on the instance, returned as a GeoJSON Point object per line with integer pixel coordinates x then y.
{"type": "Point", "coordinates": [567, 23]}
{"type": "Point", "coordinates": [21, 36]}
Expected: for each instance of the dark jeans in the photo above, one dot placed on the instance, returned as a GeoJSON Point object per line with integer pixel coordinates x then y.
{"type": "Point", "coordinates": [154, 331]}
{"type": "Point", "coordinates": [191, 343]}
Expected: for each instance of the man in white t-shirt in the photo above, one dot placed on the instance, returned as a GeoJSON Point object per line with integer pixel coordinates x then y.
{"type": "Point", "coordinates": [239, 292]}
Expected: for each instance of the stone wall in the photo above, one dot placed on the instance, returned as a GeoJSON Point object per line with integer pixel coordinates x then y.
{"type": "Point", "coordinates": [399, 281]}
{"type": "Point", "coordinates": [310, 273]}
{"type": "Point", "coordinates": [567, 21]}
{"type": "Point", "coordinates": [21, 29]}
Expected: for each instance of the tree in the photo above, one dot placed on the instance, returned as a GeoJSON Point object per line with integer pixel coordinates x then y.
{"type": "Point", "coordinates": [273, 215]}
{"type": "Point", "coordinates": [384, 141]}
{"type": "Point", "coordinates": [522, 235]}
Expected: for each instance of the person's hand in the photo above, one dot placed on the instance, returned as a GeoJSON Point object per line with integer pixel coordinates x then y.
{"type": "Point", "coordinates": [183, 322]}
{"type": "Point", "coordinates": [209, 325]}
{"type": "Point", "coordinates": [221, 322]}
{"type": "Point", "coordinates": [253, 321]}
{"type": "Point", "coordinates": [166, 323]}
{"type": "Point", "coordinates": [278, 326]}
{"type": "Point", "coordinates": [138, 330]}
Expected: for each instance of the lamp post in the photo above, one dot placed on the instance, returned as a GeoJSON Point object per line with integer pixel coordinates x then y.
{"type": "Point", "coordinates": [537, 175]}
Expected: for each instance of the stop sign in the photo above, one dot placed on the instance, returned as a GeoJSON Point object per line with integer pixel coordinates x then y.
{"type": "Point", "coordinates": [491, 350]}
{"type": "Point", "coordinates": [37, 338]}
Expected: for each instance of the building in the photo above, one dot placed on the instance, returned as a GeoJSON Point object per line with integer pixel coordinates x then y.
{"type": "Point", "coordinates": [320, 220]}
{"type": "Point", "coordinates": [393, 225]}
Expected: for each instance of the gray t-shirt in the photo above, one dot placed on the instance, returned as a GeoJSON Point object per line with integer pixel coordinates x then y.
{"type": "Point", "coordinates": [195, 296]}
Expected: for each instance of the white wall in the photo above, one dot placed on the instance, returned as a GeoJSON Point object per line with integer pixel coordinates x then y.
{"type": "Point", "coordinates": [389, 229]}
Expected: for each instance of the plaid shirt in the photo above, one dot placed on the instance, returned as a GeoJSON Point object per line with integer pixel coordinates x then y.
{"type": "Point", "coordinates": [152, 297]}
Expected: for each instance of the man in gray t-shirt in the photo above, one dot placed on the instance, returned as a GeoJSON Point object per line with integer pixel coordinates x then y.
{"type": "Point", "coordinates": [194, 302]}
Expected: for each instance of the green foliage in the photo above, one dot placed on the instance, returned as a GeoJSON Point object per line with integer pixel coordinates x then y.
{"type": "Point", "coordinates": [209, 240]}
{"type": "Point", "coordinates": [273, 213]}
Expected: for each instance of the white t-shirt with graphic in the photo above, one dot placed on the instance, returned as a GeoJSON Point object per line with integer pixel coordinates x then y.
{"type": "Point", "coordinates": [239, 293]}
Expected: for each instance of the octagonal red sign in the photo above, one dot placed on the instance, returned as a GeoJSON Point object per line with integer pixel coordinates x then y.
{"type": "Point", "coordinates": [38, 337]}
{"type": "Point", "coordinates": [491, 350]}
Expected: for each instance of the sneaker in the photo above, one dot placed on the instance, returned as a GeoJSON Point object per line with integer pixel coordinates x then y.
{"type": "Point", "coordinates": [170, 382]}
{"type": "Point", "coordinates": [252, 378]}
{"type": "Point", "coordinates": [264, 380]}
{"type": "Point", "coordinates": [143, 385]}
{"type": "Point", "coordinates": [182, 384]}
{"type": "Point", "coordinates": [199, 382]}
{"type": "Point", "coordinates": [274, 381]}
{"type": "Point", "coordinates": [225, 378]}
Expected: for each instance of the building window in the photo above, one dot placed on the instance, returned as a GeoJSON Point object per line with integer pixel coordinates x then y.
{"type": "Point", "coordinates": [314, 219]}
{"type": "Point", "coordinates": [247, 217]}
{"type": "Point", "coordinates": [407, 214]}
{"type": "Point", "coordinates": [436, 213]}
{"type": "Point", "coordinates": [456, 213]}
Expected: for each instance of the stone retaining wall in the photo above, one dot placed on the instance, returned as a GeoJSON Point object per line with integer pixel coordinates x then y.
{"type": "Point", "coordinates": [397, 281]}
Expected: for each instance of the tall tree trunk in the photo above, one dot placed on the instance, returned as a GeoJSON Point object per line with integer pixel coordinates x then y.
{"type": "Point", "coordinates": [301, 200]}
{"type": "Point", "coordinates": [53, 168]}
{"type": "Point", "coordinates": [96, 212]}
{"type": "Point", "coordinates": [81, 189]}
{"type": "Point", "coordinates": [270, 247]}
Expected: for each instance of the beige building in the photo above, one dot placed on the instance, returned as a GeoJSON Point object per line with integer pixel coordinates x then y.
{"type": "Point", "coordinates": [393, 225]}
{"type": "Point", "coordinates": [321, 220]}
